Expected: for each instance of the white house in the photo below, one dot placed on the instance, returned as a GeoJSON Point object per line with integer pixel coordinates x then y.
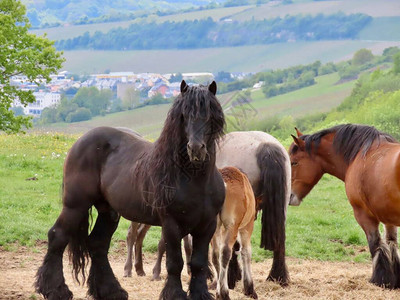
{"type": "Point", "coordinates": [43, 100]}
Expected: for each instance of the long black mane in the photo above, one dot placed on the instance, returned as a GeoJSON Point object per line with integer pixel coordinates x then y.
{"type": "Point", "coordinates": [349, 139]}
{"type": "Point", "coordinates": [161, 167]}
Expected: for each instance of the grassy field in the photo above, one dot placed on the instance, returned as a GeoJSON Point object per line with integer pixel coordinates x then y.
{"type": "Point", "coordinates": [321, 228]}
{"type": "Point", "coordinates": [234, 59]}
{"type": "Point", "coordinates": [320, 97]}
{"type": "Point", "coordinates": [147, 120]}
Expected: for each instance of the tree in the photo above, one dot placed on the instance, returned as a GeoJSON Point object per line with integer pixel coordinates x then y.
{"type": "Point", "coordinates": [21, 53]}
{"type": "Point", "coordinates": [396, 61]}
{"type": "Point", "coordinates": [131, 98]}
{"type": "Point", "coordinates": [362, 56]}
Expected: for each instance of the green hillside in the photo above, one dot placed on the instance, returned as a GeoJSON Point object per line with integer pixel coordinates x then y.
{"type": "Point", "coordinates": [234, 59]}
{"type": "Point", "coordinates": [321, 97]}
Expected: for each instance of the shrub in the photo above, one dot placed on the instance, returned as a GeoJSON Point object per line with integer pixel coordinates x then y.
{"type": "Point", "coordinates": [81, 114]}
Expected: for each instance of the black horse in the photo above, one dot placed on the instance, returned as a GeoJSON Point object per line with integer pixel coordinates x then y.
{"type": "Point", "coordinates": [172, 183]}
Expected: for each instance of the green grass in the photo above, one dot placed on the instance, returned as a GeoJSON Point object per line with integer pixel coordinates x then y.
{"type": "Point", "coordinates": [323, 227]}
{"type": "Point", "coordinates": [147, 120]}
{"type": "Point", "coordinates": [321, 97]}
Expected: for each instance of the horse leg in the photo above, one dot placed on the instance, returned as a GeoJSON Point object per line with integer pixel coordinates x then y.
{"type": "Point", "coordinates": [382, 271]}
{"type": "Point", "coordinates": [234, 271]}
{"type": "Point", "coordinates": [279, 271]}
{"type": "Point", "coordinates": [391, 240]}
{"type": "Point", "coordinates": [245, 238]}
{"type": "Point", "coordinates": [143, 228]}
{"type": "Point", "coordinates": [131, 238]}
{"type": "Point", "coordinates": [199, 263]}
{"type": "Point", "coordinates": [50, 280]}
{"type": "Point", "coordinates": [172, 236]}
{"type": "Point", "coordinates": [224, 258]}
{"type": "Point", "coordinates": [215, 249]}
{"type": "Point", "coordinates": [102, 282]}
{"type": "Point", "coordinates": [160, 253]}
{"type": "Point", "coordinates": [187, 243]}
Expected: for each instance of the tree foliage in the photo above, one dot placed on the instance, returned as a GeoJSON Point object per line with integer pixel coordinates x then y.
{"type": "Point", "coordinates": [21, 53]}
{"type": "Point", "coordinates": [207, 33]}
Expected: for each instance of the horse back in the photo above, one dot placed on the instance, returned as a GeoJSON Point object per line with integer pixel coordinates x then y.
{"type": "Point", "coordinates": [91, 157]}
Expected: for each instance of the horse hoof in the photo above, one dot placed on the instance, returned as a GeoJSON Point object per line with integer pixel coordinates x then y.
{"type": "Point", "coordinates": [128, 274]}
{"type": "Point", "coordinates": [223, 296]}
{"type": "Point", "coordinates": [156, 278]}
{"type": "Point", "coordinates": [252, 295]}
{"type": "Point", "coordinates": [140, 273]}
{"type": "Point", "coordinates": [283, 282]}
{"type": "Point", "coordinates": [64, 294]}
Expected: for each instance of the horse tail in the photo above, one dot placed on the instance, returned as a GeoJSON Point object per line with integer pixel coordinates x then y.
{"type": "Point", "coordinates": [234, 271]}
{"type": "Point", "coordinates": [274, 191]}
{"type": "Point", "coordinates": [78, 248]}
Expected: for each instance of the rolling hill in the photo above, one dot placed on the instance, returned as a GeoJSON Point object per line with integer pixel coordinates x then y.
{"type": "Point", "coordinates": [379, 34]}
{"type": "Point", "coordinates": [321, 97]}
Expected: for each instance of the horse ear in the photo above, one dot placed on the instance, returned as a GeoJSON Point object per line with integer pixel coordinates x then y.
{"type": "Point", "coordinates": [299, 134]}
{"type": "Point", "coordinates": [299, 142]}
{"type": "Point", "coordinates": [213, 87]}
{"type": "Point", "coordinates": [184, 86]}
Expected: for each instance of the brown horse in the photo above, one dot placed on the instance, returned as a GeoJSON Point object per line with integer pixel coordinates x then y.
{"type": "Point", "coordinates": [234, 222]}
{"type": "Point", "coordinates": [173, 183]}
{"type": "Point", "coordinates": [368, 161]}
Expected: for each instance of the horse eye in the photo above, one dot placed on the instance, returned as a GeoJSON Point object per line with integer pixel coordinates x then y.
{"type": "Point", "coordinates": [294, 163]}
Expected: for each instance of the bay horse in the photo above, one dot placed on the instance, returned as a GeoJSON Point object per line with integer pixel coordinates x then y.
{"type": "Point", "coordinates": [172, 183]}
{"type": "Point", "coordinates": [235, 222]}
{"type": "Point", "coordinates": [368, 161]}
{"type": "Point", "coordinates": [266, 163]}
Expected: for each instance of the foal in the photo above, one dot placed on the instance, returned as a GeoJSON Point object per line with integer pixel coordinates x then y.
{"type": "Point", "coordinates": [234, 222]}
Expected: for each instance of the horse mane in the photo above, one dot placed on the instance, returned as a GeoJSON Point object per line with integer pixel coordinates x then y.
{"type": "Point", "coordinates": [349, 139]}
{"type": "Point", "coordinates": [161, 167]}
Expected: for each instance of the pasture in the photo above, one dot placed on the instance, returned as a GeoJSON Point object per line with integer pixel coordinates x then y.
{"type": "Point", "coordinates": [327, 251]}
{"type": "Point", "coordinates": [233, 59]}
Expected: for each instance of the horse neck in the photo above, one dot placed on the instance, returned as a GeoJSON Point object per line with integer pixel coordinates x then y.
{"type": "Point", "coordinates": [331, 162]}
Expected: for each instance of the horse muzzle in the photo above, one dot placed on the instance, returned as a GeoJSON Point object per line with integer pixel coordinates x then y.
{"type": "Point", "coordinates": [197, 152]}
{"type": "Point", "coordinates": [294, 200]}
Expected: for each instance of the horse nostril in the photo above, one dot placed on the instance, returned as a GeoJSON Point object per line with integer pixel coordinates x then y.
{"type": "Point", "coordinates": [203, 146]}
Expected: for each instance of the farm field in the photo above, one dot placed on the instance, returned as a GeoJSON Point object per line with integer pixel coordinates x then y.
{"type": "Point", "coordinates": [233, 59]}
{"type": "Point", "coordinates": [386, 8]}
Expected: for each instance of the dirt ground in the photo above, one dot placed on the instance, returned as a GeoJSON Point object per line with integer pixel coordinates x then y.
{"type": "Point", "coordinates": [309, 279]}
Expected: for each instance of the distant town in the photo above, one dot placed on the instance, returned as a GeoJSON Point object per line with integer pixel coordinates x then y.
{"type": "Point", "coordinates": [49, 94]}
